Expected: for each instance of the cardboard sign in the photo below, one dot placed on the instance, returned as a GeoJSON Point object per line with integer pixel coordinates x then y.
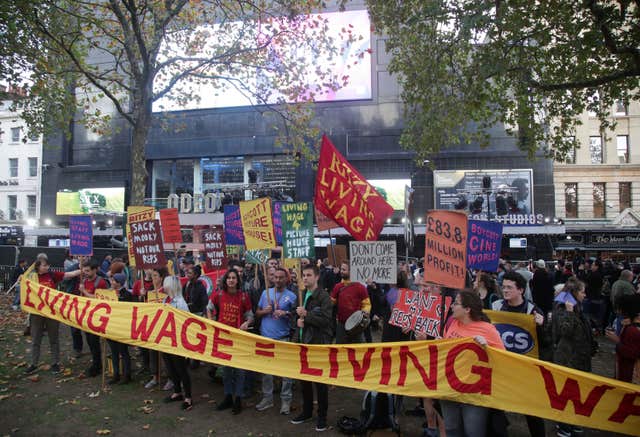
{"type": "Point", "coordinates": [106, 294]}
{"type": "Point", "coordinates": [419, 311]}
{"type": "Point", "coordinates": [484, 243]}
{"type": "Point", "coordinates": [136, 214]}
{"type": "Point", "coordinates": [233, 226]}
{"type": "Point", "coordinates": [147, 244]}
{"type": "Point", "coordinates": [214, 248]}
{"type": "Point", "coordinates": [257, 224]}
{"type": "Point", "coordinates": [445, 257]}
{"type": "Point", "coordinates": [257, 256]}
{"type": "Point", "coordinates": [375, 260]}
{"type": "Point", "coordinates": [297, 228]}
{"type": "Point", "coordinates": [336, 253]}
{"type": "Point", "coordinates": [81, 235]}
{"type": "Point", "coordinates": [170, 221]}
{"type": "Point", "coordinates": [323, 222]}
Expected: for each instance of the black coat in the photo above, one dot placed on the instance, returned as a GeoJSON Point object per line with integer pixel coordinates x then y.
{"type": "Point", "coordinates": [317, 324]}
{"type": "Point", "coordinates": [542, 290]}
{"type": "Point", "coordinates": [196, 296]}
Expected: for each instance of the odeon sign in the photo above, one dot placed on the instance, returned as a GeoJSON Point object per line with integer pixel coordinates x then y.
{"type": "Point", "coordinates": [197, 204]}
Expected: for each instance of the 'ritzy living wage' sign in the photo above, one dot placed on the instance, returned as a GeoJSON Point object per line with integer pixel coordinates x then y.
{"type": "Point", "coordinates": [375, 260]}
{"type": "Point", "coordinates": [297, 230]}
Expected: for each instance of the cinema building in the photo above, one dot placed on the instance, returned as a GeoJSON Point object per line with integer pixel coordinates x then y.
{"type": "Point", "coordinates": [228, 152]}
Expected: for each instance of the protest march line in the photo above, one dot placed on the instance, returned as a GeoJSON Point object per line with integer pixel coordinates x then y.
{"type": "Point", "coordinates": [459, 369]}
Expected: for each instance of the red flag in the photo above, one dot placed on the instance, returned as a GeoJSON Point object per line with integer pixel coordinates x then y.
{"type": "Point", "coordinates": [345, 196]}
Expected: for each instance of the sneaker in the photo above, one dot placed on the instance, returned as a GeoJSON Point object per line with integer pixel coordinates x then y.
{"type": "Point", "coordinates": [15, 307]}
{"type": "Point", "coordinates": [302, 418]}
{"type": "Point", "coordinates": [30, 370]}
{"type": "Point", "coordinates": [226, 403]}
{"type": "Point", "coordinates": [264, 404]}
{"type": "Point", "coordinates": [285, 408]}
{"type": "Point", "coordinates": [168, 386]}
{"type": "Point", "coordinates": [237, 406]}
{"type": "Point", "coordinates": [152, 383]}
{"type": "Point", "coordinates": [322, 424]}
{"type": "Point", "coordinates": [55, 368]}
{"type": "Point", "coordinates": [563, 431]}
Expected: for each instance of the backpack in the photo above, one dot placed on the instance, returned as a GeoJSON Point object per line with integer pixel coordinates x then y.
{"type": "Point", "coordinates": [378, 412]}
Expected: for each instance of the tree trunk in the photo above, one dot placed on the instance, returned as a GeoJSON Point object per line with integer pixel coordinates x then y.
{"type": "Point", "coordinates": [138, 161]}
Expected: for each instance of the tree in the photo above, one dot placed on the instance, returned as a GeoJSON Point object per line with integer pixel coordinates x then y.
{"type": "Point", "coordinates": [465, 65]}
{"type": "Point", "coordinates": [134, 53]}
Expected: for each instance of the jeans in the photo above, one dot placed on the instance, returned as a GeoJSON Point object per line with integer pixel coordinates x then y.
{"type": "Point", "coordinates": [16, 298]}
{"type": "Point", "coordinates": [233, 381]}
{"type": "Point", "coordinates": [286, 392]}
{"type": "Point", "coordinates": [464, 419]}
{"type": "Point", "coordinates": [322, 392]}
{"type": "Point", "coordinates": [118, 351]}
{"type": "Point", "coordinates": [38, 324]}
{"type": "Point", "coordinates": [76, 338]}
{"type": "Point", "coordinates": [178, 373]}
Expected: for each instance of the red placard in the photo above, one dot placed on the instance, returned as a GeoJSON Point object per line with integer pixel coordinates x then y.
{"type": "Point", "coordinates": [419, 311]}
{"type": "Point", "coordinates": [445, 254]}
{"type": "Point", "coordinates": [215, 248]}
{"type": "Point", "coordinates": [170, 221]}
{"type": "Point", "coordinates": [147, 245]}
{"type": "Point", "coordinates": [323, 222]}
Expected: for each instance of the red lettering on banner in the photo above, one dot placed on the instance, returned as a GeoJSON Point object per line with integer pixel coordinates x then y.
{"type": "Point", "coordinates": [304, 363]}
{"type": "Point", "coordinates": [483, 384]}
{"type": "Point", "coordinates": [626, 408]}
{"type": "Point", "coordinates": [333, 362]}
{"type": "Point", "coordinates": [430, 380]}
{"type": "Point", "coordinates": [42, 290]}
{"type": "Point", "coordinates": [265, 353]}
{"type": "Point", "coordinates": [52, 303]}
{"type": "Point", "coordinates": [168, 330]}
{"type": "Point", "coordinates": [63, 306]}
{"type": "Point", "coordinates": [385, 372]}
{"type": "Point", "coordinates": [571, 392]}
{"type": "Point", "coordinates": [360, 370]}
{"type": "Point", "coordinates": [198, 347]}
{"type": "Point", "coordinates": [141, 330]}
{"type": "Point", "coordinates": [104, 320]}
{"type": "Point", "coordinates": [27, 302]}
{"type": "Point", "coordinates": [217, 340]}
{"type": "Point", "coordinates": [79, 318]}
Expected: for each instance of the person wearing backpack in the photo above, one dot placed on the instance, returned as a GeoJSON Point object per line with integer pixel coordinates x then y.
{"type": "Point", "coordinates": [89, 283]}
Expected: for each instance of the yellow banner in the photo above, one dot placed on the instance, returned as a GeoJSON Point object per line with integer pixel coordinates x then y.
{"type": "Point", "coordinates": [137, 214]}
{"type": "Point", "coordinates": [257, 224]}
{"type": "Point", "coordinates": [518, 332]}
{"type": "Point", "coordinates": [459, 369]}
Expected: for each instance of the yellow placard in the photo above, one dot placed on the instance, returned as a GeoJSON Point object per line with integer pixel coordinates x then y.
{"type": "Point", "coordinates": [518, 331]}
{"type": "Point", "coordinates": [156, 296]}
{"type": "Point", "coordinates": [257, 224]}
{"type": "Point", "coordinates": [457, 369]}
{"type": "Point", "coordinates": [106, 294]}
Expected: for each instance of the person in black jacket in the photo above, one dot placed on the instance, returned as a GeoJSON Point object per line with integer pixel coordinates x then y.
{"type": "Point", "coordinates": [542, 287]}
{"type": "Point", "coordinates": [195, 293]}
{"type": "Point", "coordinates": [120, 351]}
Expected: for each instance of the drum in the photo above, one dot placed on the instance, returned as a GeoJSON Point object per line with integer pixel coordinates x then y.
{"type": "Point", "coordinates": [356, 323]}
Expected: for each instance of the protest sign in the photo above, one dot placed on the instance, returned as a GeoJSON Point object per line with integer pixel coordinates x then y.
{"type": "Point", "coordinates": [81, 235]}
{"type": "Point", "coordinates": [106, 294]}
{"type": "Point", "coordinates": [517, 330]}
{"type": "Point", "coordinates": [233, 226]}
{"type": "Point", "coordinates": [297, 229]}
{"type": "Point", "coordinates": [337, 253]}
{"type": "Point", "coordinates": [277, 221]}
{"type": "Point", "coordinates": [257, 224]}
{"type": "Point", "coordinates": [375, 260]}
{"type": "Point", "coordinates": [484, 242]}
{"type": "Point", "coordinates": [147, 244]}
{"type": "Point", "coordinates": [445, 248]}
{"type": "Point", "coordinates": [453, 369]}
{"type": "Point", "coordinates": [156, 296]}
{"type": "Point", "coordinates": [233, 249]}
{"type": "Point", "coordinates": [344, 195]}
{"type": "Point", "coordinates": [170, 221]}
{"type": "Point", "coordinates": [136, 214]}
{"type": "Point", "coordinates": [293, 264]}
{"type": "Point", "coordinates": [323, 222]}
{"type": "Point", "coordinates": [214, 247]}
{"type": "Point", "coordinates": [419, 311]}
{"type": "Point", "coordinates": [257, 256]}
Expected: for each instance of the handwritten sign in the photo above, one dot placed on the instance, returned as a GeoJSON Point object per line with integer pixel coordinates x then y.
{"type": "Point", "coordinates": [484, 242]}
{"type": "Point", "coordinates": [257, 224]}
{"type": "Point", "coordinates": [375, 260]}
{"type": "Point", "coordinates": [136, 214]}
{"type": "Point", "coordinates": [277, 221]}
{"type": "Point", "coordinates": [214, 248]}
{"type": "Point", "coordinates": [297, 229]}
{"type": "Point", "coordinates": [106, 294]}
{"type": "Point", "coordinates": [147, 244]}
{"type": "Point", "coordinates": [419, 311]}
{"type": "Point", "coordinates": [158, 296]}
{"type": "Point", "coordinates": [445, 248]}
{"type": "Point", "coordinates": [233, 226]}
{"type": "Point", "coordinates": [257, 256]}
{"type": "Point", "coordinates": [81, 235]}
{"type": "Point", "coordinates": [170, 221]}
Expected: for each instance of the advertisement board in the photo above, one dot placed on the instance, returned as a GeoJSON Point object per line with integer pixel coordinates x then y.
{"type": "Point", "coordinates": [392, 190]}
{"type": "Point", "coordinates": [90, 201]}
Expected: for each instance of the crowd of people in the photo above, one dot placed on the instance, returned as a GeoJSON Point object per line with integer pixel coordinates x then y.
{"type": "Point", "coordinates": [571, 303]}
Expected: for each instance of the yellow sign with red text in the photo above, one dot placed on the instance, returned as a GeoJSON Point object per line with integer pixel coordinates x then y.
{"type": "Point", "coordinates": [257, 224]}
{"type": "Point", "coordinates": [457, 369]}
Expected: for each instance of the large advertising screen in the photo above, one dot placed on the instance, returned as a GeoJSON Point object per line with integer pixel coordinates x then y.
{"type": "Point", "coordinates": [350, 62]}
{"type": "Point", "coordinates": [392, 190]}
{"type": "Point", "coordinates": [463, 190]}
{"type": "Point", "coordinates": [90, 201]}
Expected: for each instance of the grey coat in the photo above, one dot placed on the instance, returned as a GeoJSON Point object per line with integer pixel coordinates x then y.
{"type": "Point", "coordinates": [572, 338]}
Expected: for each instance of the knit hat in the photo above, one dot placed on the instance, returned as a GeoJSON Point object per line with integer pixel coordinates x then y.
{"type": "Point", "coordinates": [120, 278]}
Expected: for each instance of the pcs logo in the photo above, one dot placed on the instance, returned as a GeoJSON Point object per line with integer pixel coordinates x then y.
{"type": "Point", "coordinates": [514, 338]}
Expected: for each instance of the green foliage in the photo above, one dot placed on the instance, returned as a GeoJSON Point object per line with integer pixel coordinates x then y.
{"type": "Point", "coordinates": [465, 65]}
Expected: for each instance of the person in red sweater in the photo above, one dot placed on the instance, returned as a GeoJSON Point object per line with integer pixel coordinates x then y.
{"type": "Point", "coordinates": [628, 343]}
{"type": "Point", "coordinates": [89, 283]}
{"type": "Point", "coordinates": [348, 297]}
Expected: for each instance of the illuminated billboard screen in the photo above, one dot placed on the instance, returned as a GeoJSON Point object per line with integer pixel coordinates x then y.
{"type": "Point", "coordinates": [350, 62]}
{"type": "Point", "coordinates": [392, 190]}
{"type": "Point", "coordinates": [90, 201]}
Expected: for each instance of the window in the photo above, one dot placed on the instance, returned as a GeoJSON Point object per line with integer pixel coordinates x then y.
{"type": "Point", "coordinates": [31, 206]}
{"type": "Point", "coordinates": [622, 146]}
{"type": "Point", "coordinates": [621, 108]}
{"type": "Point", "coordinates": [599, 200]}
{"type": "Point", "coordinates": [15, 134]}
{"type": "Point", "coordinates": [13, 167]}
{"type": "Point", "coordinates": [13, 206]}
{"type": "Point", "coordinates": [595, 149]}
{"type": "Point", "coordinates": [571, 200]}
{"type": "Point", "coordinates": [33, 167]}
{"type": "Point", "coordinates": [624, 190]}
{"type": "Point", "coordinates": [34, 137]}
{"type": "Point", "coordinates": [571, 153]}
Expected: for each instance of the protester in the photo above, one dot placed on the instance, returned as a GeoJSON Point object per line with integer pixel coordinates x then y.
{"type": "Point", "coordinates": [120, 351]}
{"type": "Point", "coordinates": [275, 310]}
{"type": "Point", "coordinates": [231, 307]}
{"type": "Point", "coordinates": [628, 342]}
{"type": "Point", "coordinates": [89, 283]}
{"type": "Point", "coordinates": [593, 305]}
{"type": "Point", "coordinates": [314, 327]}
{"type": "Point", "coordinates": [541, 285]}
{"type": "Point", "coordinates": [177, 365]}
{"type": "Point", "coordinates": [391, 332]}
{"type": "Point", "coordinates": [471, 322]}
{"type": "Point", "coordinates": [348, 297]}
{"type": "Point", "coordinates": [106, 263]}
{"type": "Point", "coordinates": [18, 270]}
{"type": "Point", "coordinates": [195, 293]}
{"type": "Point", "coordinates": [523, 270]}
{"type": "Point", "coordinates": [487, 288]}
{"type": "Point", "coordinates": [152, 359]}
{"type": "Point", "coordinates": [40, 323]}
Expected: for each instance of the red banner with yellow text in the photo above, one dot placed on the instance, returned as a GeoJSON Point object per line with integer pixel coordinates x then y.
{"type": "Point", "coordinates": [457, 369]}
{"type": "Point", "coordinates": [344, 195]}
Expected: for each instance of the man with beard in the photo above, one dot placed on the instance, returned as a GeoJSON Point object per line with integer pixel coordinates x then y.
{"type": "Point", "coordinates": [348, 297]}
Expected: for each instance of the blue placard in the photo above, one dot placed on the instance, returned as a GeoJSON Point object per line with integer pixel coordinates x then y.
{"type": "Point", "coordinates": [277, 221]}
{"type": "Point", "coordinates": [81, 235]}
{"type": "Point", "coordinates": [484, 241]}
{"type": "Point", "coordinates": [233, 226]}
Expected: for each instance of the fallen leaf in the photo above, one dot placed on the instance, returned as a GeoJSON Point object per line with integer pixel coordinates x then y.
{"type": "Point", "coordinates": [107, 418]}
{"type": "Point", "coordinates": [85, 408]}
{"type": "Point", "coordinates": [19, 395]}
{"type": "Point", "coordinates": [94, 395]}
{"type": "Point", "coordinates": [205, 396]}
{"type": "Point", "coordinates": [67, 372]}
{"type": "Point", "coordinates": [103, 432]}
{"type": "Point", "coordinates": [181, 419]}
{"type": "Point", "coordinates": [21, 364]}
{"type": "Point", "coordinates": [148, 401]}
{"type": "Point", "coordinates": [34, 378]}
{"type": "Point", "coordinates": [146, 427]}
{"type": "Point", "coordinates": [3, 397]}
{"type": "Point", "coordinates": [146, 410]}
{"type": "Point", "coordinates": [46, 367]}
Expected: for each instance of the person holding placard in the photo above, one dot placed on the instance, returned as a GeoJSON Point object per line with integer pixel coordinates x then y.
{"type": "Point", "coordinates": [348, 297]}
